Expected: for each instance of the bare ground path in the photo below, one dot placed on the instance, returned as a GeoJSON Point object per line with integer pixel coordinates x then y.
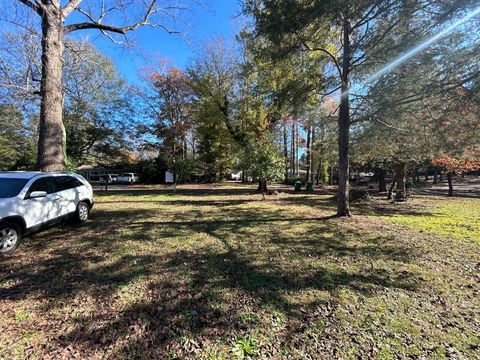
{"type": "Point", "coordinates": [468, 186]}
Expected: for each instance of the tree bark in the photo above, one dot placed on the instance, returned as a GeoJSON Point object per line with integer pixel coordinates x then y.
{"type": "Point", "coordinates": [400, 170]}
{"type": "Point", "coordinates": [343, 205]}
{"type": "Point", "coordinates": [309, 152]}
{"type": "Point", "coordinates": [297, 163]}
{"type": "Point", "coordinates": [52, 136]}
{"type": "Point", "coordinates": [450, 183]}
{"type": "Point", "coordinates": [382, 184]}
{"type": "Point", "coordinates": [319, 169]}
{"type": "Point", "coordinates": [262, 186]}
{"type": "Point", "coordinates": [435, 176]}
{"type": "Point", "coordinates": [312, 142]}
{"type": "Point", "coordinates": [294, 137]}
{"type": "Point", "coordinates": [392, 185]}
{"type": "Point", "coordinates": [285, 150]}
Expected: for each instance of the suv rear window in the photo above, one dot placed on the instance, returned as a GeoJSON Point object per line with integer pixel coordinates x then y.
{"type": "Point", "coordinates": [11, 187]}
{"type": "Point", "coordinates": [66, 182]}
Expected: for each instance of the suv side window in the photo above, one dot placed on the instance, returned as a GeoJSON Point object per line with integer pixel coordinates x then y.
{"type": "Point", "coordinates": [66, 182]}
{"type": "Point", "coordinates": [43, 184]}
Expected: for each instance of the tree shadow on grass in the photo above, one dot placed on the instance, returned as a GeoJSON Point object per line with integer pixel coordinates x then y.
{"type": "Point", "coordinates": [98, 233]}
{"type": "Point", "coordinates": [95, 243]}
{"type": "Point", "coordinates": [179, 315]}
{"type": "Point", "coordinates": [468, 187]}
{"type": "Point", "coordinates": [64, 274]}
{"type": "Point", "coordinates": [203, 192]}
{"type": "Point", "coordinates": [376, 207]}
{"type": "Point", "coordinates": [189, 203]}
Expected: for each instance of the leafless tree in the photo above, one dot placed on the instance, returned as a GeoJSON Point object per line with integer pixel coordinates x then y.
{"type": "Point", "coordinates": [113, 18]}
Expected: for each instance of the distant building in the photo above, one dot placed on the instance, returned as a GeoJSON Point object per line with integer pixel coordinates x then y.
{"type": "Point", "coordinates": [93, 173]}
{"type": "Point", "coordinates": [169, 177]}
{"type": "Point", "coordinates": [361, 177]}
{"type": "Point", "coordinates": [237, 176]}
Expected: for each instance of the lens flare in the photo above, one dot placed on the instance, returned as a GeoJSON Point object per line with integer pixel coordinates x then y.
{"type": "Point", "coordinates": [387, 68]}
{"type": "Point", "coordinates": [421, 46]}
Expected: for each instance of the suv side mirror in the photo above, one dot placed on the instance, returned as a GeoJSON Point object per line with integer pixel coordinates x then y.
{"type": "Point", "coordinates": [37, 194]}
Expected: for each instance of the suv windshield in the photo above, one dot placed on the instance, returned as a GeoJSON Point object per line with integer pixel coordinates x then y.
{"type": "Point", "coordinates": [11, 187]}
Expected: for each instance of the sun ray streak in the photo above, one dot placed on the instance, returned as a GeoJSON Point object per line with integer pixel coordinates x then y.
{"type": "Point", "coordinates": [421, 46]}
{"type": "Point", "coordinates": [425, 44]}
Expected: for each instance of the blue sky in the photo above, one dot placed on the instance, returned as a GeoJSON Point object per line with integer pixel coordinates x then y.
{"type": "Point", "coordinates": [216, 18]}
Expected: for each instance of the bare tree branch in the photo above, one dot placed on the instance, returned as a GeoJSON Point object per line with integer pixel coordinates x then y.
{"type": "Point", "coordinates": [325, 51]}
{"type": "Point", "coordinates": [41, 5]}
{"type": "Point", "coordinates": [72, 5]}
{"type": "Point", "coordinates": [105, 29]}
{"type": "Point", "coordinates": [98, 26]}
{"type": "Point", "coordinates": [32, 6]}
{"type": "Point", "coordinates": [114, 29]}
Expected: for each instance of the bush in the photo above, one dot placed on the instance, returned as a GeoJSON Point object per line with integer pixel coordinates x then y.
{"type": "Point", "coordinates": [292, 181]}
{"type": "Point", "coordinates": [357, 195]}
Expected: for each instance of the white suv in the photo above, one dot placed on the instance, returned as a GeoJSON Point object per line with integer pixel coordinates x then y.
{"type": "Point", "coordinates": [30, 201]}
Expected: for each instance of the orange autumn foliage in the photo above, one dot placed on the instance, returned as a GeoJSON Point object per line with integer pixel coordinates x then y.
{"type": "Point", "coordinates": [451, 164]}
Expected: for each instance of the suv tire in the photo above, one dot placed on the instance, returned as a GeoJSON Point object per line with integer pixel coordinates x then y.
{"type": "Point", "coordinates": [10, 237]}
{"type": "Point", "coordinates": [83, 212]}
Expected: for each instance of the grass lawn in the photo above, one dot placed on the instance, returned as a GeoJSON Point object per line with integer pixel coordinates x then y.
{"type": "Point", "coordinates": [216, 273]}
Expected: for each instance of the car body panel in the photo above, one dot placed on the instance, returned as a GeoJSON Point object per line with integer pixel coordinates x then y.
{"type": "Point", "coordinates": [39, 210]}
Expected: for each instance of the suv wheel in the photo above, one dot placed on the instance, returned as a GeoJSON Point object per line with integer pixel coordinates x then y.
{"type": "Point", "coordinates": [83, 212]}
{"type": "Point", "coordinates": [10, 236]}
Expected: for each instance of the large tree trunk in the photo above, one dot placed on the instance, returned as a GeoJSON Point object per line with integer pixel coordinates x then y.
{"type": "Point", "coordinates": [52, 137]}
{"type": "Point", "coordinates": [343, 205]}
{"type": "Point", "coordinates": [435, 175]}
{"type": "Point", "coordinates": [285, 150]}
{"type": "Point", "coordinates": [392, 186]}
{"type": "Point", "coordinates": [450, 183]}
{"type": "Point", "coordinates": [312, 165]}
{"type": "Point", "coordinates": [262, 186]}
{"type": "Point", "coordinates": [400, 170]}
{"type": "Point", "coordinates": [309, 152]}
{"type": "Point", "coordinates": [382, 184]}
{"type": "Point", "coordinates": [319, 169]}
{"type": "Point", "coordinates": [294, 138]}
{"type": "Point", "coordinates": [297, 163]}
